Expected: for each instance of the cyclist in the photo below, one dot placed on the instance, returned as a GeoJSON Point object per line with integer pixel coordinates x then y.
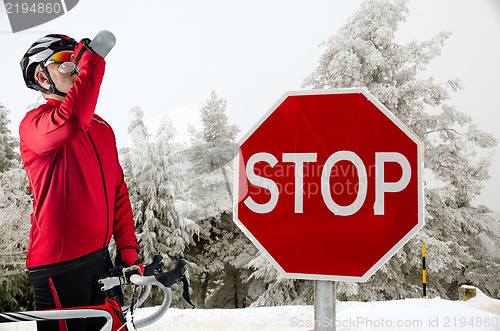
{"type": "Point", "coordinates": [80, 197]}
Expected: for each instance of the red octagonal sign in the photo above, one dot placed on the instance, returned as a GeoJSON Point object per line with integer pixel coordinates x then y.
{"type": "Point", "coordinates": [329, 185]}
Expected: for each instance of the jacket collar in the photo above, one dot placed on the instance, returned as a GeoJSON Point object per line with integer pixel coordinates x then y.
{"type": "Point", "coordinates": [53, 102]}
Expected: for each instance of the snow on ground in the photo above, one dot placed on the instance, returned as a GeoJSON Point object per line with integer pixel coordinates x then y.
{"type": "Point", "coordinates": [479, 313]}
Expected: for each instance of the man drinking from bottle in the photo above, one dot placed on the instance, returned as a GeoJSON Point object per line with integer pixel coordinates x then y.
{"type": "Point", "coordinates": [80, 197]}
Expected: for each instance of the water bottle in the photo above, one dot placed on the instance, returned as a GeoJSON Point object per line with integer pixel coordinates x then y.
{"type": "Point", "coordinates": [103, 42]}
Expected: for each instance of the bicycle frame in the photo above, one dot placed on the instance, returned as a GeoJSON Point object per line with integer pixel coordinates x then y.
{"type": "Point", "coordinates": [111, 310]}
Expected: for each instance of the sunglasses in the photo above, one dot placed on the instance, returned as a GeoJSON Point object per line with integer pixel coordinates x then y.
{"type": "Point", "coordinates": [66, 60]}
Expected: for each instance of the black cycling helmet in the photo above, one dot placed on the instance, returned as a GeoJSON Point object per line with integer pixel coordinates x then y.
{"type": "Point", "coordinates": [40, 51]}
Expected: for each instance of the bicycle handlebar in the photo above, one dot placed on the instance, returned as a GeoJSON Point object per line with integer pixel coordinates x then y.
{"type": "Point", "coordinates": [167, 299]}
{"type": "Point", "coordinates": [152, 276]}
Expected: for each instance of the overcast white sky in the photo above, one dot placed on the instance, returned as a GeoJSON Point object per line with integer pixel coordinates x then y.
{"type": "Point", "coordinates": [171, 54]}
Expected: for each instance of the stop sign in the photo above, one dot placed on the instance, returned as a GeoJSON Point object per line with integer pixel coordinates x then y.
{"type": "Point", "coordinates": [329, 184]}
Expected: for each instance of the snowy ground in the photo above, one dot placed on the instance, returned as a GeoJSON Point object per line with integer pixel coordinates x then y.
{"type": "Point", "coordinates": [479, 313]}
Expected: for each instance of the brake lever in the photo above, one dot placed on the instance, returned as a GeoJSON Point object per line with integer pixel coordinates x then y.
{"type": "Point", "coordinates": [178, 273]}
{"type": "Point", "coordinates": [156, 265]}
{"type": "Point", "coordinates": [185, 290]}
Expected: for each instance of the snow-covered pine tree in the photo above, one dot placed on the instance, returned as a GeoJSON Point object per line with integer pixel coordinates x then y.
{"type": "Point", "coordinates": [15, 207]}
{"type": "Point", "coordinates": [16, 292]}
{"type": "Point", "coordinates": [458, 236]}
{"type": "Point", "coordinates": [15, 210]}
{"type": "Point", "coordinates": [8, 156]}
{"type": "Point", "coordinates": [222, 251]}
{"type": "Point", "coordinates": [150, 177]}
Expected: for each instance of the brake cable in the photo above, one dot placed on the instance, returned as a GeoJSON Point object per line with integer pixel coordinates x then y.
{"type": "Point", "coordinates": [126, 271]}
{"type": "Point", "coordinates": [132, 304]}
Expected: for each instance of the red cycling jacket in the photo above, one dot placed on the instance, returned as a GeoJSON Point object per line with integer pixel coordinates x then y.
{"type": "Point", "coordinates": [70, 156]}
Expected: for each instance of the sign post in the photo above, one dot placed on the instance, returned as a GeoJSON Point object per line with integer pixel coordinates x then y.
{"type": "Point", "coordinates": [325, 305]}
{"type": "Point", "coordinates": [328, 185]}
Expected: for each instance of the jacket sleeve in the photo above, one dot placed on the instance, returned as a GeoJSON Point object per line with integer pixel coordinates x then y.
{"type": "Point", "coordinates": [45, 132]}
{"type": "Point", "coordinates": [123, 225]}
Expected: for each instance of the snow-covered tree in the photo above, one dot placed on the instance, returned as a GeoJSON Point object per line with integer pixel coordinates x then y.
{"type": "Point", "coordinates": [8, 143]}
{"type": "Point", "coordinates": [15, 210]}
{"type": "Point", "coordinates": [150, 177]}
{"type": "Point", "coordinates": [222, 251]}
{"type": "Point", "coordinates": [279, 291]}
{"type": "Point", "coordinates": [213, 147]}
{"type": "Point", "coordinates": [364, 53]}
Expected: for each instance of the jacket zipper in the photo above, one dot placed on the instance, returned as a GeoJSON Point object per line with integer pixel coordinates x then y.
{"type": "Point", "coordinates": [105, 191]}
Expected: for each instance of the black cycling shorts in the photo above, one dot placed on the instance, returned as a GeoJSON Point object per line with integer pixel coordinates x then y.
{"type": "Point", "coordinates": [71, 284]}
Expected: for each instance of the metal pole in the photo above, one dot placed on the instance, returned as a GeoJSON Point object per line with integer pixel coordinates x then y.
{"type": "Point", "coordinates": [324, 305]}
{"type": "Point", "coordinates": [424, 273]}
